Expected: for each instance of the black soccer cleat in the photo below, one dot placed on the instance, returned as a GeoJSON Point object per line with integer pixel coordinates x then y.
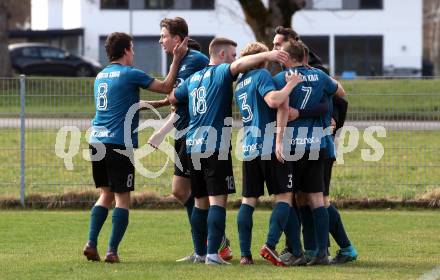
{"type": "Point", "coordinates": [319, 260]}
{"type": "Point", "coordinates": [91, 252]}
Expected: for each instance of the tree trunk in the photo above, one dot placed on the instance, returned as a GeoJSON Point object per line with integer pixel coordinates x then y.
{"type": "Point", "coordinates": [5, 63]}
{"type": "Point", "coordinates": [263, 20]}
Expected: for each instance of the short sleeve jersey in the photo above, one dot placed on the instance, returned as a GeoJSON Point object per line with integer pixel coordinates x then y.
{"type": "Point", "coordinates": [116, 91]}
{"type": "Point", "coordinates": [258, 118]}
{"type": "Point", "coordinates": [208, 94]}
{"type": "Point", "coordinates": [307, 132]}
{"type": "Point", "coordinates": [191, 63]}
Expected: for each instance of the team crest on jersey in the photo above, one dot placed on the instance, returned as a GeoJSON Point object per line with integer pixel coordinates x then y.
{"type": "Point", "coordinates": [183, 68]}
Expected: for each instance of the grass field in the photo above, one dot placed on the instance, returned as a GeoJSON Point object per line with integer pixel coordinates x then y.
{"type": "Point", "coordinates": [410, 166]}
{"type": "Point", "coordinates": [47, 245]}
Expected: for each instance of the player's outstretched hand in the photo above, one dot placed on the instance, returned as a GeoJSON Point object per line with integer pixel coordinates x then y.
{"type": "Point", "coordinates": [180, 50]}
{"type": "Point", "coordinates": [279, 56]}
{"type": "Point", "coordinates": [293, 77]}
{"type": "Point", "coordinates": [279, 153]}
{"type": "Point", "coordinates": [156, 139]}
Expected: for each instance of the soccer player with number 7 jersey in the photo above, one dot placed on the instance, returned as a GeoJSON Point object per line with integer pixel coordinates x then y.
{"type": "Point", "coordinates": [305, 144]}
{"type": "Point", "coordinates": [257, 100]}
{"type": "Point", "coordinates": [116, 93]}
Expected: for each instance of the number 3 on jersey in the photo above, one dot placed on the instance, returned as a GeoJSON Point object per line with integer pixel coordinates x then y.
{"type": "Point", "coordinates": [101, 100]}
{"type": "Point", "coordinates": [245, 108]}
{"type": "Point", "coordinates": [198, 100]}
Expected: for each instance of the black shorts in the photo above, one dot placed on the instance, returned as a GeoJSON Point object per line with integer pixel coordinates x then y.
{"type": "Point", "coordinates": [180, 147]}
{"type": "Point", "coordinates": [277, 175]}
{"type": "Point", "coordinates": [114, 171]}
{"type": "Point", "coordinates": [308, 175]}
{"type": "Point", "coordinates": [328, 167]}
{"type": "Point", "coordinates": [215, 177]}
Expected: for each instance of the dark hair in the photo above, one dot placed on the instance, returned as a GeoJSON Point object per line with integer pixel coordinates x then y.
{"type": "Point", "coordinates": [220, 42]}
{"type": "Point", "coordinates": [306, 49]}
{"type": "Point", "coordinates": [116, 44]}
{"type": "Point", "coordinates": [193, 44]}
{"type": "Point", "coordinates": [288, 33]}
{"type": "Point", "coordinates": [176, 26]}
{"type": "Point", "coordinates": [295, 50]}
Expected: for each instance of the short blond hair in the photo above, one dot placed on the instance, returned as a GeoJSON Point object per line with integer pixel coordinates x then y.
{"type": "Point", "coordinates": [218, 43]}
{"type": "Point", "coordinates": [254, 48]}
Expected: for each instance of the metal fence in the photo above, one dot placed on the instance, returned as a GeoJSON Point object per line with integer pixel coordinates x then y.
{"type": "Point", "coordinates": [32, 110]}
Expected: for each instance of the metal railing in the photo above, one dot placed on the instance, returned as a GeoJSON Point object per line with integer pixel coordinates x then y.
{"type": "Point", "coordinates": [32, 110]}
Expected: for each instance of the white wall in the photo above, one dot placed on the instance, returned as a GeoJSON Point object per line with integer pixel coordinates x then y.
{"type": "Point", "coordinates": [39, 14]}
{"type": "Point", "coordinates": [55, 10]}
{"type": "Point", "coordinates": [227, 20]}
{"type": "Point", "coordinates": [400, 23]}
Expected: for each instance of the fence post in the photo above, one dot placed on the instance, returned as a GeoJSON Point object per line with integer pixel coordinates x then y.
{"type": "Point", "coordinates": [22, 137]}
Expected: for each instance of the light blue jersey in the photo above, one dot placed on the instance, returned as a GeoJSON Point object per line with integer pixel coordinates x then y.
{"type": "Point", "coordinates": [116, 89]}
{"type": "Point", "coordinates": [191, 63]}
{"type": "Point", "coordinates": [208, 94]}
{"type": "Point", "coordinates": [250, 91]}
{"type": "Point", "coordinates": [307, 133]}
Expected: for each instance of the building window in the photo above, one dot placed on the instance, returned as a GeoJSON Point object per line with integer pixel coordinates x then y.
{"type": "Point", "coordinates": [344, 4]}
{"type": "Point", "coordinates": [159, 4]}
{"type": "Point", "coordinates": [202, 4]}
{"type": "Point", "coordinates": [361, 54]}
{"type": "Point", "coordinates": [148, 53]}
{"type": "Point", "coordinates": [371, 4]}
{"type": "Point", "coordinates": [114, 4]}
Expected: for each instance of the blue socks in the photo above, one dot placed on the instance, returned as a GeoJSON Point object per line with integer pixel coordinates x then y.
{"type": "Point", "coordinates": [216, 227]}
{"type": "Point", "coordinates": [245, 223]}
{"type": "Point", "coordinates": [308, 228]}
{"type": "Point", "coordinates": [199, 229]}
{"type": "Point", "coordinates": [320, 220]}
{"type": "Point", "coordinates": [292, 231]}
{"type": "Point", "coordinates": [277, 223]}
{"type": "Point", "coordinates": [189, 205]}
{"type": "Point", "coordinates": [336, 228]}
{"type": "Point", "coordinates": [120, 223]}
{"type": "Point", "coordinates": [98, 216]}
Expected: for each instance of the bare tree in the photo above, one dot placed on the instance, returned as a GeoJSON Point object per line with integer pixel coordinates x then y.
{"type": "Point", "coordinates": [263, 20]}
{"type": "Point", "coordinates": [431, 33]}
{"type": "Point", "coordinates": [13, 15]}
{"type": "Point", "coordinates": [5, 63]}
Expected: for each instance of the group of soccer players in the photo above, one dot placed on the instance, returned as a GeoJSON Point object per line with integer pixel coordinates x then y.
{"type": "Point", "coordinates": [288, 143]}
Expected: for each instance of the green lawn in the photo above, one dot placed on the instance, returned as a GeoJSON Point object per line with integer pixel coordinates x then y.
{"type": "Point", "coordinates": [48, 244]}
{"type": "Point", "coordinates": [410, 166]}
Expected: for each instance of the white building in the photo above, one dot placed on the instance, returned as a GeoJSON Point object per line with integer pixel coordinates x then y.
{"type": "Point", "coordinates": [365, 36]}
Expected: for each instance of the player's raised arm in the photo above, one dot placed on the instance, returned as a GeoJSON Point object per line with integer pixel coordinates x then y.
{"type": "Point", "coordinates": [243, 64]}
{"type": "Point", "coordinates": [166, 86]}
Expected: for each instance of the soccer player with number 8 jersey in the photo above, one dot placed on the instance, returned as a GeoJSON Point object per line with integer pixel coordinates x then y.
{"type": "Point", "coordinates": [116, 94]}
